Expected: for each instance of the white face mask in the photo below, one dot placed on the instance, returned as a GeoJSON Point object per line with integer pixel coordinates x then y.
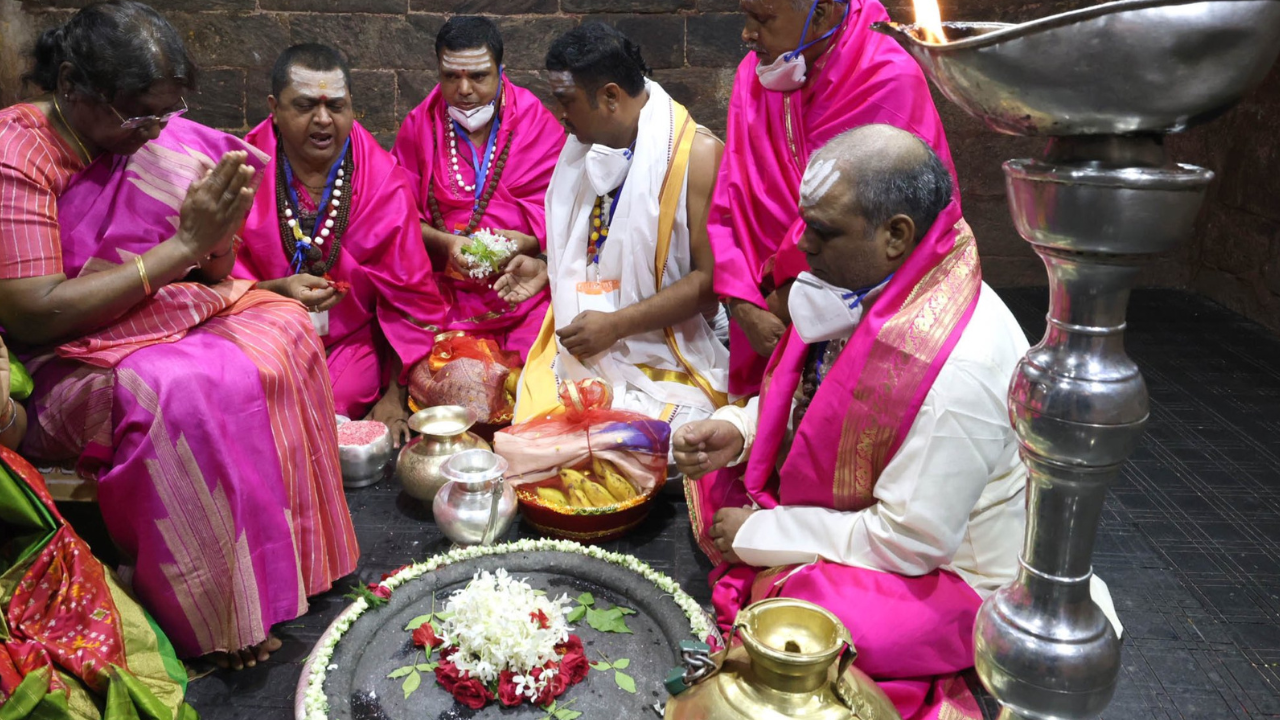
{"type": "Point", "coordinates": [784, 74]}
{"type": "Point", "coordinates": [607, 168]}
{"type": "Point", "coordinates": [790, 70]}
{"type": "Point", "coordinates": [821, 311]}
{"type": "Point", "coordinates": [472, 120]}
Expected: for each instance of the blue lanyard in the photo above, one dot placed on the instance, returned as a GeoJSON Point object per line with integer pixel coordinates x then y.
{"type": "Point", "coordinates": [803, 45]}
{"type": "Point", "coordinates": [299, 254]}
{"type": "Point", "coordinates": [481, 164]}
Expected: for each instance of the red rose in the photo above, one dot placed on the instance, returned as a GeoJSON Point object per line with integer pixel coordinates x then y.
{"type": "Point", "coordinates": [425, 636]}
{"type": "Point", "coordinates": [380, 590]}
{"type": "Point", "coordinates": [554, 688]}
{"type": "Point", "coordinates": [448, 676]}
{"type": "Point", "coordinates": [574, 666]}
{"type": "Point", "coordinates": [573, 644]}
{"type": "Point", "coordinates": [472, 693]}
{"type": "Point", "coordinates": [507, 693]}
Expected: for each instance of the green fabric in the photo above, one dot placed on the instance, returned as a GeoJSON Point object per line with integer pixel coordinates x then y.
{"type": "Point", "coordinates": [20, 383]}
{"type": "Point", "coordinates": [172, 665]}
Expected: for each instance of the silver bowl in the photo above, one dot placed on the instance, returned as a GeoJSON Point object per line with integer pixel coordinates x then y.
{"type": "Point", "coordinates": [1120, 68]}
{"type": "Point", "coordinates": [364, 465]}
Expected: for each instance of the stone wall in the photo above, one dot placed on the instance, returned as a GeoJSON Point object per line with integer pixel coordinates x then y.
{"type": "Point", "coordinates": [693, 46]}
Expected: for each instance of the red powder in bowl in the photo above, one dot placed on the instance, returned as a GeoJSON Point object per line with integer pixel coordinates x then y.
{"type": "Point", "coordinates": [360, 432]}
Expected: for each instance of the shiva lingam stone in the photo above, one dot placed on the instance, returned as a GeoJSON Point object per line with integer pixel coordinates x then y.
{"type": "Point", "coordinates": [1105, 84]}
{"type": "Point", "coordinates": [795, 660]}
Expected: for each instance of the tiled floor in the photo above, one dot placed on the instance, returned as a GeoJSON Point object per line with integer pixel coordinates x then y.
{"type": "Point", "coordinates": [1189, 543]}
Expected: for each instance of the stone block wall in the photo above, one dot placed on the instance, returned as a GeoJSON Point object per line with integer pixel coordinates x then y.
{"type": "Point", "coordinates": [694, 47]}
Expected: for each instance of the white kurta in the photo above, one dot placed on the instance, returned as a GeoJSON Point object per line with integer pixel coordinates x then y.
{"type": "Point", "coordinates": [952, 497]}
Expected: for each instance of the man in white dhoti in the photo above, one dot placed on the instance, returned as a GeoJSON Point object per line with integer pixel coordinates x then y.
{"type": "Point", "coordinates": [627, 253]}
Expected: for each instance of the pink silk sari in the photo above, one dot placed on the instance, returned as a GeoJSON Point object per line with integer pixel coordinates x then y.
{"type": "Point", "coordinates": [912, 634]}
{"type": "Point", "coordinates": [393, 299]}
{"type": "Point", "coordinates": [202, 413]}
{"type": "Point", "coordinates": [532, 139]}
{"type": "Point", "coordinates": [863, 78]}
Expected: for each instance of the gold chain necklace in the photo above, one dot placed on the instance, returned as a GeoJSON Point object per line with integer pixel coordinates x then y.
{"type": "Point", "coordinates": [87, 157]}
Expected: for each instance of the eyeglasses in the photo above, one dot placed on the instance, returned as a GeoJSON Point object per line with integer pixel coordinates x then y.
{"type": "Point", "coordinates": [135, 123]}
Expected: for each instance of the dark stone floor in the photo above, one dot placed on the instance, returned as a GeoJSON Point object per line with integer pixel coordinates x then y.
{"type": "Point", "coordinates": [1189, 543]}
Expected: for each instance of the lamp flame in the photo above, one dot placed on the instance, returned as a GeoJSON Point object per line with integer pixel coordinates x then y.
{"type": "Point", "coordinates": [929, 20]}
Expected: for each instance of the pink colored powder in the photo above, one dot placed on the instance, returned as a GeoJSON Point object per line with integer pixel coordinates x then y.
{"type": "Point", "coordinates": [360, 432]}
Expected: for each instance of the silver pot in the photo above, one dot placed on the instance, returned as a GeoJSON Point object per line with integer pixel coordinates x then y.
{"type": "Point", "coordinates": [443, 433]}
{"type": "Point", "coordinates": [476, 505]}
{"type": "Point", "coordinates": [364, 465]}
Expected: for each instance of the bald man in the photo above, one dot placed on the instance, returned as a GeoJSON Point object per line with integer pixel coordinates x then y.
{"type": "Point", "coordinates": [876, 474]}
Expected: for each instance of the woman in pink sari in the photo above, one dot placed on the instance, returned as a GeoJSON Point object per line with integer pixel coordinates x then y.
{"type": "Point", "coordinates": [852, 76]}
{"type": "Point", "coordinates": [481, 152]}
{"type": "Point", "coordinates": [198, 405]}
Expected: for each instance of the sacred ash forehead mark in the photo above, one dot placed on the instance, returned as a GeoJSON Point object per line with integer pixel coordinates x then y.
{"type": "Point", "coordinates": [818, 179]}
{"type": "Point", "coordinates": [310, 83]}
{"type": "Point", "coordinates": [474, 60]}
{"type": "Point", "coordinates": [561, 82]}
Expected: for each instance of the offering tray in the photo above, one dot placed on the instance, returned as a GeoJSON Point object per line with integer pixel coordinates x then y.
{"type": "Point", "coordinates": [355, 683]}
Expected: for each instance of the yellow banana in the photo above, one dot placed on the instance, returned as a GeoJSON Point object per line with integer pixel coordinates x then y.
{"type": "Point", "coordinates": [573, 482]}
{"type": "Point", "coordinates": [617, 485]}
{"type": "Point", "coordinates": [596, 493]}
{"type": "Point", "coordinates": [552, 495]}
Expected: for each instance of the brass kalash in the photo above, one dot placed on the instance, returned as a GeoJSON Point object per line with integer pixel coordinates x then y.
{"type": "Point", "coordinates": [795, 660]}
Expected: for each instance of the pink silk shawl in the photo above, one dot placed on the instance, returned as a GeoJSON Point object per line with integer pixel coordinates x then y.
{"type": "Point", "coordinates": [863, 78]}
{"type": "Point", "coordinates": [105, 221]}
{"type": "Point", "coordinates": [535, 138]}
{"type": "Point", "coordinates": [872, 393]}
{"type": "Point", "coordinates": [382, 255]}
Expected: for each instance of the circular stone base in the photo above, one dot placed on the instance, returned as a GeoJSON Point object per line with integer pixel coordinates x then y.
{"type": "Point", "coordinates": [378, 643]}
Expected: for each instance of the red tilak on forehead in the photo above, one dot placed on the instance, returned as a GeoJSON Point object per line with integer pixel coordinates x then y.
{"type": "Point", "coordinates": [324, 98]}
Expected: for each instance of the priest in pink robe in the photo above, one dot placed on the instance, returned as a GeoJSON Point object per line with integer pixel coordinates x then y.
{"type": "Point", "coordinates": [334, 226]}
{"type": "Point", "coordinates": [480, 151]}
{"type": "Point", "coordinates": [876, 474]}
{"type": "Point", "coordinates": [816, 69]}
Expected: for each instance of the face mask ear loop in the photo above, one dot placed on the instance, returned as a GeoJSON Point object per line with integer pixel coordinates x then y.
{"type": "Point", "coordinates": [800, 45]}
{"type": "Point", "coordinates": [789, 56]}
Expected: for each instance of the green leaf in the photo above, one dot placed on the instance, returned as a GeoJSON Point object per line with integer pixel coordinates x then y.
{"type": "Point", "coordinates": [567, 714]}
{"type": "Point", "coordinates": [539, 592]}
{"type": "Point", "coordinates": [442, 616]}
{"type": "Point", "coordinates": [412, 682]}
{"type": "Point", "coordinates": [610, 621]}
{"type": "Point", "coordinates": [601, 666]}
{"type": "Point", "coordinates": [625, 681]}
{"type": "Point", "coordinates": [400, 672]}
{"type": "Point", "coordinates": [418, 622]}
{"type": "Point", "coordinates": [587, 599]}
{"type": "Point", "coordinates": [621, 664]}
{"type": "Point", "coordinates": [427, 667]}
{"type": "Point", "coordinates": [626, 610]}
{"type": "Point", "coordinates": [576, 614]}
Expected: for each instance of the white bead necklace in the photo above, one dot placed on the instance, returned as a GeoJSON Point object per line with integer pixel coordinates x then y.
{"type": "Point", "coordinates": [453, 158]}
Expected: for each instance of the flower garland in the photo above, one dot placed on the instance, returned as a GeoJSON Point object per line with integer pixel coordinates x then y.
{"type": "Point", "coordinates": [316, 704]}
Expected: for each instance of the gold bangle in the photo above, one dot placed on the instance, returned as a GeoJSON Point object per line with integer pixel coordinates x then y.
{"type": "Point", "coordinates": [142, 271]}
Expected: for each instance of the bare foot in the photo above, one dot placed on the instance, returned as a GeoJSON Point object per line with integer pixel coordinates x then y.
{"type": "Point", "coordinates": [247, 657]}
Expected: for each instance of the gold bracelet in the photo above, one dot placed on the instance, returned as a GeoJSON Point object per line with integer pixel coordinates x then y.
{"type": "Point", "coordinates": [142, 271]}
